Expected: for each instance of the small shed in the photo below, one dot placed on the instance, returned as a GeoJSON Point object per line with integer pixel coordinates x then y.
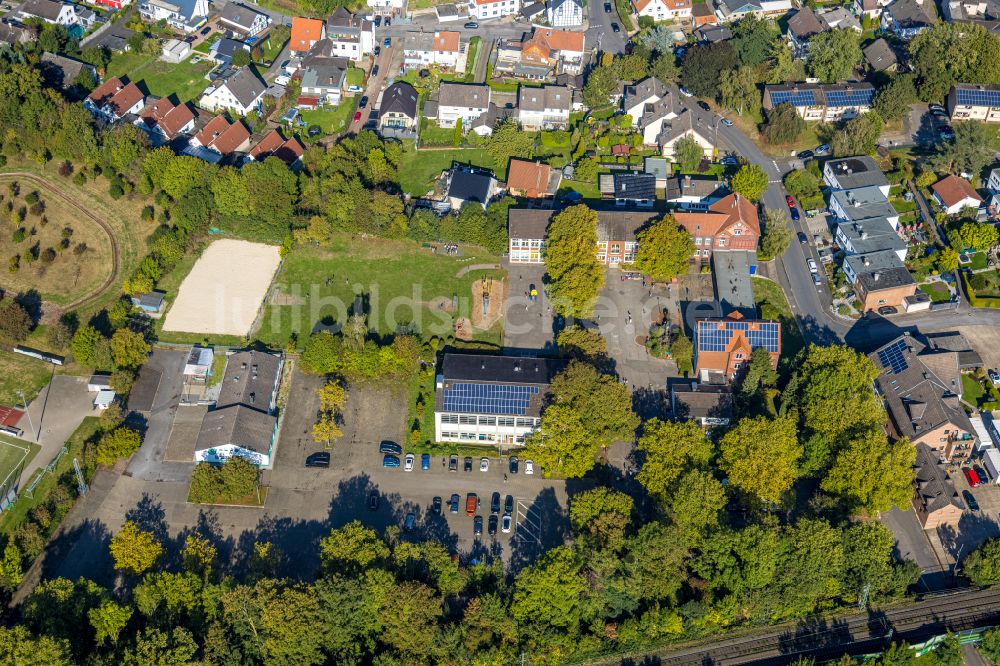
{"type": "Point", "coordinates": [199, 363]}
{"type": "Point", "coordinates": [98, 382]}
{"type": "Point", "coordinates": [151, 302]}
{"type": "Point", "coordinates": [104, 399]}
{"type": "Point", "coordinates": [175, 51]}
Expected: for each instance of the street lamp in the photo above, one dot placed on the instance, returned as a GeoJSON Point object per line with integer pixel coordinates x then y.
{"type": "Point", "coordinates": [26, 411]}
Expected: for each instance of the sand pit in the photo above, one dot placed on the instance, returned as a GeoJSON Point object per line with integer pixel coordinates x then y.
{"type": "Point", "coordinates": [224, 291]}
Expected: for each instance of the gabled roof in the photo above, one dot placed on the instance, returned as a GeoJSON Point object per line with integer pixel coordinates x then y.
{"type": "Point", "coordinates": [305, 31]}
{"type": "Point", "coordinates": [811, 94]}
{"type": "Point", "coordinates": [934, 488]}
{"type": "Point", "coordinates": [635, 186]}
{"type": "Point", "coordinates": [913, 13]}
{"type": "Point", "coordinates": [951, 190]}
{"type": "Point", "coordinates": [532, 178]}
{"type": "Point", "coordinates": [239, 14]}
{"type": "Point", "coordinates": [104, 92]}
{"type": "Point", "coordinates": [223, 136]}
{"type": "Point", "coordinates": [558, 40]}
{"type": "Point", "coordinates": [721, 335]}
{"type": "Point", "coordinates": [46, 9]}
{"type": "Point", "coordinates": [446, 41]}
{"type": "Point", "coordinates": [879, 55]}
{"type": "Point", "coordinates": [721, 215]}
{"type": "Point", "coordinates": [474, 96]}
{"type": "Point", "coordinates": [470, 186]}
{"type": "Point", "coordinates": [245, 86]}
{"type": "Point", "coordinates": [275, 145]}
{"type": "Point", "coordinates": [125, 99]}
{"type": "Point", "coordinates": [400, 97]}
{"type": "Point", "coordinates": [166, 115]}
{"type": "Point", "coordinates": [804, 24]}
{"type": "Point", "coordinates": [968, 94]}
{"type": "Point", "coordinates": [547, 97]}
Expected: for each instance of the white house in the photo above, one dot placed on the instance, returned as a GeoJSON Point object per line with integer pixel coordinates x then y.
{"type": "Point", "coordinates": [184, 15]}
{"type": "Point", "coordinates": [390, 8]}
{"type": "Point", "coordinates": [663, 10]}
{"type": "Point", "coordinates": [50, 11]}
{"type": "Point", "coordinates": [488, 9]}
{"type": "Point", "coordinates": [546, 108]}
{"type": "Point", "coordinates": [104, 399]}
{"type": "Point", "coordinates": [640, 97]}
{"type": "Point", "coordinates": [244, 20]}
{"type": "Point", "coordinates": [199, 364]}
{"type": "Point", "coordinates": [681, 127]}
{"type": "Point", "coordinates": [566, 13]}
{"type": "Point", "coordinates": [955, 195]}
{"type": "Point", "coordinates": [351, 36]}
{"type": "Point", "coordinates": [114, 99]}
{"type": "Point", "coordinates": [462, 101]}
{"type": "Point", "coordinates": [422, 49]}
{"type": "Point", "coordinates": [175, 51]}
{"type": "Point", "coordinates": [241, 93]}
{"type": "Point", "coordinates": [323, 80]}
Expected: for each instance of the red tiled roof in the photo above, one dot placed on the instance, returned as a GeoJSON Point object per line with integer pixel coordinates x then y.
{"type": "Point", "coordinates": [290, 151]}
{"type": "Point", "coordinates": [305, 32]}
{"type": "Point", "coordinates": [215, 127]}
{"type": "Point", "coordinates": [9, 416]}
{"type": "Point", "coordinates": [235, 136]}
{"type": "Point", "coordinates": [125, 99]}
{"type": "Point", "coordinates": [532, 178]}
{"type": "Point", "coordinates": [952, 189]}
{"type": "Point", "coordinates": [169, 117]}
{"type": "Point", "coordinates": [267, 145]}
{"type": "Point", "coordinates": [446, 41]}
{"type": "Point", "coordinates": [106, 91]}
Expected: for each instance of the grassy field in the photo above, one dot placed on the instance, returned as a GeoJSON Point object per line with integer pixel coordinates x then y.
{"type": "Point", "coordinates": [14, 455]}
{"type": "Point", "coordinates": [332, 119]}
{"type": "Point", "coordinates": [82, 259]}
{"type": "Point", "coordinates": [355, 77]}
{"type": "Point", "coordinates": [768, 291]}
{"type": "Point", "coordinates": [419, 169]}
{"type": "Point", "coordinates": [21, 373]}
{"type": "Point", "coordinates": [937, 291]}
{"type": "Point", "coordinates": [403, 281]}
{"type": "Point", "coordinates": [185, 80]}
{"type": "Point", "coordinates": [431, 134]}
{"type": "Point", "coordinates": [972, 390]}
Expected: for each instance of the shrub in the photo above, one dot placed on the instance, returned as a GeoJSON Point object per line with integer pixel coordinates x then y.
{"type": "Point", "coordinates": [80, 178]}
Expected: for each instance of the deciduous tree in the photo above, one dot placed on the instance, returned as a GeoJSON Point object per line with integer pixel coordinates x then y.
{"type": "Point", "coordinates": [784, 125]}
{"type": "Point", "coordinates": [507, 141]}
{"type": "Point", "coordinates": [982, 566]}
{"type": "Point", "coordinates": [738, 90]}
{"type": "Point", "coordinates": [859, 135]}
{"type": "Point", "coordinates": [872, 473]}
{"type": "Point", "coordinates": [549, 593]}
{"type": "Point", "coordinates": [602, 514]}
{"type": "Point", "coordinates": [352, 549]}
{"type": "Point", "coordinates": [969, 152]}
{"type": "Point", "coordinates": [894, 99]}
{"type": "Point", "coordinates": [777, 236]}
{"type": "Point", "coordinates": [665, 249]}
{"type": "Point", "coordinates": [750, 181]}
{"type": "Point", "coordinates": [108, 620]}
{"type": "Point", "coordinates": [688, 153]}
{"type": "Point", "coordinates": [583, 344]}
{"type": "Point", "coordinates": [978, 235]}
{"type": "Point", "coordinates": [119, 443]}
{"type": "Point", "coordinates": [671, 448]}
{"type": "Point", "coordinates": [15, 322]}
{"type": "Point", "coordinates": [761, 456]}
{"type": "Point", "coordinates": [605, 401]}
{"type": "Point", "coordinates": [562, 447]}
{"type": "Point", "coordinates": [696, 504]}
{"type": "Point", "coordinates": [703, 66]}
{"type": "Point", "coordinates": [834, 54]}
{"type": "Point", "coordinates": [134, 551]}
{"type": "Point", "coordinates": [129, 349]}
{"type": "Point", "coordinates": [574, 270]}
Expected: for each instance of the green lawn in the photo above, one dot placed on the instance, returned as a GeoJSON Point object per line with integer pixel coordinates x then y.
{"type": "Point", "coordinates": [972, 390]}
{"type": "Point", "coordinates": [770, 292]}
{"type": "Point", "coordinates": [418, 169]}
{"type": "Point", "coordinates": [937, 291]}
{"type": "Point", "coordinates": [432, 134]}
{"type": "Point", "coordinates": [185, 80]}
{"type": "Point", "coordinates": [470, 59]}
{"type": "Point", "coordinates": [588, 190]}
{"type": "Point", "coordinates": [404, 282]}
{"type": "Point", "coordinates": [978, 261]}
{"type": "Point", "coordinates": [355, 76]}
{"type": "Point", "coordinates": [21, 373]}
{"type": "Point", "coordinates": [332, 119]}
{"type": "Point", "coordinates": [14, 455]}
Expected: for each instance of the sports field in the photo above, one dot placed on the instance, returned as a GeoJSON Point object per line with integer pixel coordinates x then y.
{"type": "Point", "coordinates": [14, 457]}
{"type": "Point", "coordinates": [224, 291]}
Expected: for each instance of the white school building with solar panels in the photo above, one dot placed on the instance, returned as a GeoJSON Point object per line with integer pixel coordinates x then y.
{"type": "Point", "coordinates": [492, 400]}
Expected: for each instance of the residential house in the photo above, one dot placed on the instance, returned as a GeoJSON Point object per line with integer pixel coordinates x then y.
{"type": "Point", "coordinates": [908, 18]}
{"type": "Point", "coordinates": [879, 279]}
{"type": "Point", "coordinates": [731, 223]}
{"type": "Point", "coordinates": [710, 34]}
{"type": "Point", "coordinates": [921, 387]}
{"type": "Point", "coordinates": [694, 194]}
{"type": "Point", "coordinates": [542, 55]}
{"type": "Point", "coordinates": [880, 56]}
{"type": "Point", "coordinates": [12, 33]}
{"type": "Point", "coordinates": [838, 18]}
{"type": "Point", "coordinates": [703, 15]}
{"type": "Point", "coordinates": [323, 80]}
{"type": "Point", "coordinates": [305, 33]}
{"type": "Point", "coordinates": [679, 128]}
{"type": "Point", "coordinates": [62, 72]}
{"type": "Point", "coordinates": [803, 26]}
{"type": "Point", "coordinates": [462, 102]}
{"type": "Point", "coordinates": [723, 346]}
{"type": "Point", "coordinates": [616, 234]}
{"type": "Point", "coordinates": [391, 8]}
{"type": "Point", "coordinates": [223, 50]}
{"type": "Point", "coordinates": [470, 185]}
{"type": "Point", "coordinates": [184, 15]}
{"type": "Point", "coordinates": [222, 137]}
{"type": "Point", "coordinates": [289, 151]}
{"type": "Point", "coordinates": [482, 10]}
{"type": "Point", "coordinates": [848, 173]}
{"type": "Point", "coordinates": [734, 10]}
{"type": "Point", "coordinates": [111, 4]}
{"type": "Point", "coordinates": [114, 38]}
{"type": "Point", "coordinates": [243, 422]}
{"type": "Point", "coordinates": [243, 20]}
{"type": "Point", "coordinates": [492, 400]}
{"type": "Point", "coordinates": [423, 49]}
{"type": "Point", "coordinates": [870, 235]}
{"type": "Point", "coordinates": [398, 109]}
{"type": "Point", "coordinates": [663, 10]}
{"type": "Point", "coordinates": [935, 498]}
{"type": "Point", "coordinates": [50, 11]}
{"type": "Point", "coordinates": [870, 8]}
{"type": "Point", "coordinates": [532, 12]}
{"type": "Point", "coordinates": [114, 99]}
{"type": "Point", "coordinates": [967, 101]}
{"type": "Point", "coordinates": [534, 180]}
{"type": "Point", "coordinates": [822, 102]}
{"type": "Point", "coordinates": [240, 93]}
{"type": "Point", "coordinates": [351, 36]}
{"type": "Point", "coordinates": [968, 11]}
{"type": "Point", "coordinates": [447, 12]}
{"type": "Point", "coordinates": [544, 108]}
{"type": "Point", "coordinates": [709, 405]}
{"type": "Point", "coordinates": [635, 189]}
{"type": "Point", "coordinates": [175, 51]}
{"type": "Point", "coordinates": [954, 195]}
{"type": "Point", "coordinates": [566, 13]}
{"type": "Point", "coordinates": [863, 203]}
{"type": "Point", "coordinates": [651, 105]}
{"type": "Point", "coordinates": [164, 121]}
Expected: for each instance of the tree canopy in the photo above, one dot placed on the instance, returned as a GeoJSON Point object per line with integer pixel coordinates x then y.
{"type": "Point", "coordinates": [665, 249]}
{"type": "Point", "coordinates": [571, 262]}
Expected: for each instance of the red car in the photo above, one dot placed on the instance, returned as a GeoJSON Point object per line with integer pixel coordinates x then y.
{"type": "Point", "coordinates": [971, 477]}
{"type": "Point", "coordinates": [790, 201]}
{"type": "Point", "coordinates": [357, 116]}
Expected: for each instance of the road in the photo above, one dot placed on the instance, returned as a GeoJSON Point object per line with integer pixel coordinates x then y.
{"type": "Point", "coordinates": [599, 33]}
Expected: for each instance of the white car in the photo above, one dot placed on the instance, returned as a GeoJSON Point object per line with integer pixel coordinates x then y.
{"type": "Point", "coordinates": [408, 464]}
{"type": "Point", "coordinates": [685, 92]}
{"type": "Point", "coordinates": [505, 524]}
{"type": "Point", "coordinates": [484, 464]}
{"type": "Point", "coordinates": [994, 377]}
{"type": "Point", "coordinates": [529, 467]}
{"type": "Point", "coordinates": [282, 79]}
{"type": "Point", "coordinates": [812, 266]}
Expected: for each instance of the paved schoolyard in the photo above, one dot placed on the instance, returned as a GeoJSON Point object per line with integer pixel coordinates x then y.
{"type": "Point", "coordinates": [528, 328]}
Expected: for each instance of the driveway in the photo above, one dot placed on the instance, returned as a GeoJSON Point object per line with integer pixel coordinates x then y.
{"type": "Point", "coordinates": [53, 416]}
{"type": "Point", "coordinates": [157, 423]}
{"type": "Point", "coordinates": [599, 32]}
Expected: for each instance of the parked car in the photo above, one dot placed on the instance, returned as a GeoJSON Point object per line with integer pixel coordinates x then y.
{"type": "Point", "coordinates": [453, 504]}
{"type": "Point", "coordinates": [887, 310]}
{"type": "Point", "coordinates": [940, 114]}
{"type": "Point", "coordinates": [806, 154]}
{"type": "Point", "coordinates": [495, 503]}
{"type": "Point", "coordinates": [453, 463]}
{"type": "Point", "coordinates": [387, 42]}
{"type": "Point", "coordinates": [425, 461]}
{"type": "Point", "coordinates": [206, 31]}
{"type": "Point", "coordinates": [802, 238]}
{"type": "Point", "coordinates": [984, 478]}
{"type": "Point", "coordinates": [377, 21]}
{"type": "Point", "coordinates": [477, 526]}
{"type": "Point", "coordinates": [508, 504]}
{"type": "Point", "coordinates": [823, 149]}
{"type": "Point", "coordinates": [389, 460]}
{"type": "Point", "coordinates": [727, 122]}
{"type": "Point", "coordinates": [994, 376]}
{"type": "Point", "coordinates": [471, 504]}
{"type": "Point", "coordinates": [812, 265]}
{"type": "Point", "coordinates": [374, 71]}
{"type": "Point", "coordinates": [492, 525]}
{"type": "Point", "coordinates": [795, 214]}
{"type": "Point", "coordinates": [408, 463]}
{"type": "Point", "coordinates": [607, 7]}
{"type": "Point", "coordinates": [970, 501]}
{"type": "Point", "coordinates": [729, 160]}
{"type": "Point", "coordinates": [684, 91]}
{"type": "Point", "coordinates": [615, 28]}
{"type": "Point", "coordinates": [505, 524]}
{"type": "Point", "coordinates": [321, 459]}
{"type": "Point", "coordinates": [385, 446]}
{"type": "Point", "coordinates": [817, 280]}
{"type": "Point", "coordinates": [357, 116]}
{"type": "Point", "coordinates": [410, 521]}
{"type": "Point", "coordinates": [971, 477]}
{"type": "Point", "coordinates": [436, 504]}
{"type": "Point", "coordinates": [373, 501]}
{"type": "Point", "coordinates": [467, 464]}
{"type": "Point", "coordinates": [471, 25]}
{"type": "Point", "coordinates": [376, 51]}
{"type": "Point", "coordinates": [529, 467]}
{"type": "Point", "coordinates": [484, 464]}
{"type": "Point", "coordinates": [935, 107]}
{"type": "Point", "coordinates": [364, 102]}
{"type": "Point", "coordinates": [790, 201]}
{"type": "Point", "coordinates": [704, 106]}
{"type": "Point", "coordinates": [513, 464]}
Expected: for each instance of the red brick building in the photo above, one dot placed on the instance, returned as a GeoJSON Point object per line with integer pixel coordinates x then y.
{"type": "Point", "coordinates": [731, 223]}
{"type": "Point", "coordinates": [724, 346]}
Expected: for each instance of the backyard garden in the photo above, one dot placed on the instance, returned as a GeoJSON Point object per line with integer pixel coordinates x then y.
{"type": "Point", "coordinates": [186, 80]}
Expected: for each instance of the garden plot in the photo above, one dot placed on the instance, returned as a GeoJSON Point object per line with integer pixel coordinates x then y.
{"type": "Point", "coordinates": [225, 290]}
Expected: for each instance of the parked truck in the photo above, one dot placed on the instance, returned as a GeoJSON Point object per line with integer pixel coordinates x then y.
{"type": "Point", "coordinates": [991, 460]}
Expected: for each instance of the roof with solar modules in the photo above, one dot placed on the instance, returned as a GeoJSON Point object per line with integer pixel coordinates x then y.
{"type": "Point", "coordinates": [922, 387]}
{"type": "Point", "coordinates": [723, 346]}
{"type": "Point", "coordinates": [967, 94]}
{"type": "Point", "coordinates": [503, 385]}
{"type": "Point", "coordinates": [811, 94]}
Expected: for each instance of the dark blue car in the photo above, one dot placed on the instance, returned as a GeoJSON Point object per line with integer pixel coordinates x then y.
{"type": "Point", "coordinates": [425, 461]}
{"type": "Point", "coordinates": [389, 460]}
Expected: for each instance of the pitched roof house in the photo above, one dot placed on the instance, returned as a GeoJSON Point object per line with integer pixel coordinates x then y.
{"type": "Point", "coordinates": [240, 93]}
{"type": "Point", "coordinates": [880, 279]}
{"type": "Point", "coordinates": [566, 13]}
{"type": "Point", "coordinates": [803, 26]}
{"type": "Point", "coordinates": [724, 346]}
{"type": "Point", "coordinates": [461, 101]}
{"type": "Point", "coordinates": [678, 128]}
{"type": "Point", "coordinates": [663, 10]}
{"type": "Point", "coordinates": [731, 223]}
{"type": "Point", "coordinates": [880, 57]}
{"type": "Point", "coordinates": [822, 102]}
{"type": "Point", "coordinates": [50, 11]}
{"type": "Point", "coordinates": [967, 101]}
{"type": "Point", "coordinates": [274, 144]}
{"type": "Point", "coordinates": [61, 72]}
{"type": "Point", "coordinates": [398, 109]}
{"type": "Point", "coordinates": [955, 194]}
{"type": "Point", "coordinates": [547, 107]}
{"type": "Point", "coordinates": [223, 137]}
{"type": "Point", "coordinates": [114, 99]}
{"type": "Point", "coordinates": [244, 20]}
{"type": "Point", "coordinates": [531, 179]}
{"type": "Point", "coordinates": [908, 18]}
{"type": "Point", "coordinates": [163, 120]}
{"type": "Point", "coordinates": [351, 36]}
{"type": "Point", "coordinates": [935, 499]}
{"type": "Point", "coordinates": [305, 33]}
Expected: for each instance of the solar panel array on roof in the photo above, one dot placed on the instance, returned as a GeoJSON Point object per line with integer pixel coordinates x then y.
{"type": "Point", "coordinates": [488, 398]}
{"type": "Point", "coordinates": [795, 97]}
{"type": "Point", "coordinates": [862, 97]}
{"type": "Point", "coordinates": [977, 97]}
{"type": "Point", "coordinates": [712, 338]}
{"type": "Point", "coordinates": [892, 357]}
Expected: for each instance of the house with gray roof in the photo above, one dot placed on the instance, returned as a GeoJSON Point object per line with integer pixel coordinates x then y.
{"type": "Point", "coordinates": [870, 235]}
{"type": "Point", "coordinates": [398, 108]}
{"type": "Point", "coordinates": [935, 498]}
{"type": "Point", "coordinates": [461, 101]}
{"type": "Point", "coordinates": [880, 56]}
{"type": "Point", "coordinates": [62, 72]}
{"type": "Point", "coordinates": [184, 15]}
{"type": "Point", "coordinates": [323, 80]}
{"type": "Point", "coordinates": [862, 203]}
{"type": "Point", "coordinates": [879, 279]}
{"type": "Point", "coordinates": [243, 19]}
{"type": "Point", "coordinates": [50, 11]}
{"type": "Point", "coordinates": [694, 194]}
{"type": "Point", "coordinates": [908, 18]}
{"type": "Point", "coordinates": [848, 173]}
{"type": "Point", "coordinates": [240, 93]}
{"type": "Point", "coordinates": [803, 26]}
{"type": "Point", "coordinates": [544, 108]}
